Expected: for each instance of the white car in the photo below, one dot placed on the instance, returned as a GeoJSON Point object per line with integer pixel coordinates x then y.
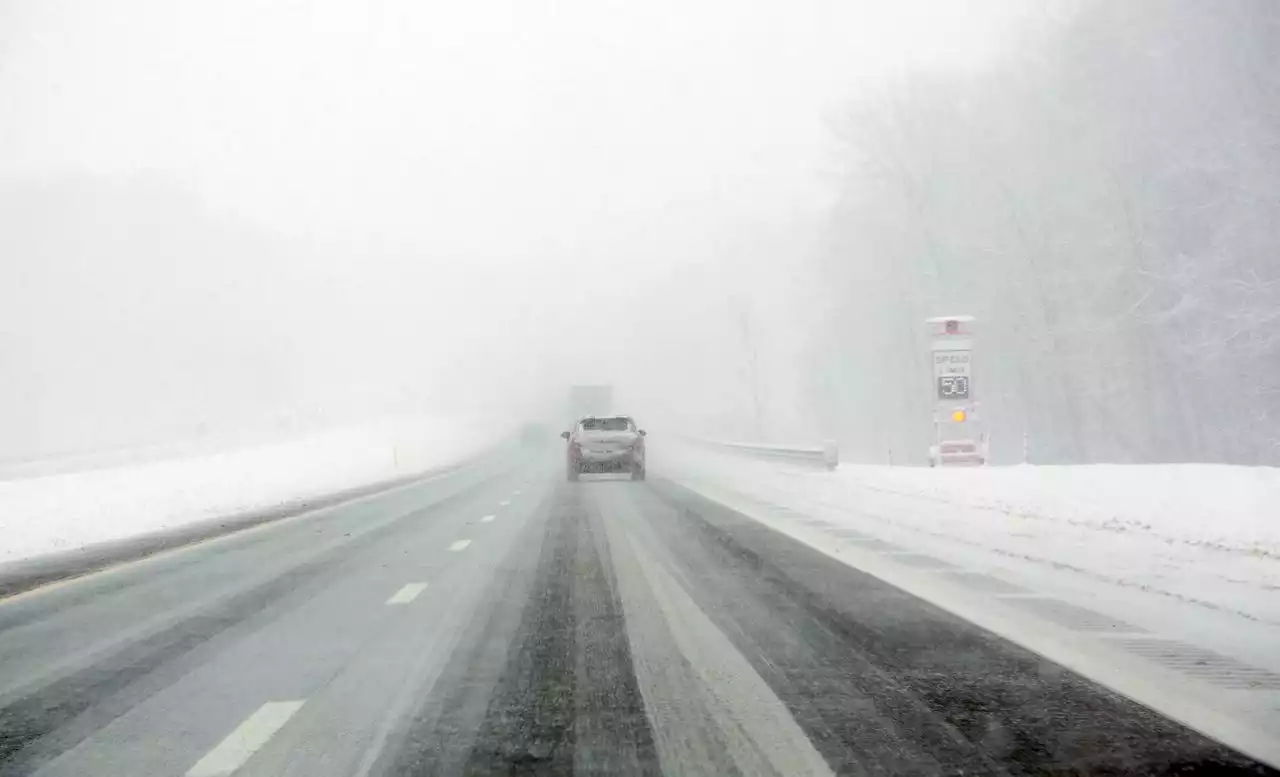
{"type": "Point", "coordinates": [609, 444]}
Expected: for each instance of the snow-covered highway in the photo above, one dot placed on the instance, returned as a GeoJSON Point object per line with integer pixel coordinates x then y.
{"type": "Point", "coordinates": [499, 620]}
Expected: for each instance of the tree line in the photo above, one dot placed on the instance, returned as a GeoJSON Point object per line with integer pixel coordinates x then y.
{"type": "Point", "coordinates": [1105, 199]}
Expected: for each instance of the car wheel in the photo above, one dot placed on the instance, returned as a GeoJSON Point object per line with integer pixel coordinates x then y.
{"type": "Point", "coordinates": [572, 473]}
{"type": "Point", "coordinates": [637, 473]}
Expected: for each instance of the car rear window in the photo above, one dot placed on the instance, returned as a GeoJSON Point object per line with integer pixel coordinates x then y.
{"type": "Point", "coordinates": [606, 424]}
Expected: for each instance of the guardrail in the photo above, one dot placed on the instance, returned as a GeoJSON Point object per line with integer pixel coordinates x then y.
{"type": "Point", "coordinates": [827, 456]}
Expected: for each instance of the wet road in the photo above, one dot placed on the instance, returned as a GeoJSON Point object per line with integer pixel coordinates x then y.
{"type": "Point", "coordinates": [502, 621]}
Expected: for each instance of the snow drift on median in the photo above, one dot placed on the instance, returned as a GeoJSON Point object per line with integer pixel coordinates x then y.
{"type": "Point", "coordinates": [65, 511]}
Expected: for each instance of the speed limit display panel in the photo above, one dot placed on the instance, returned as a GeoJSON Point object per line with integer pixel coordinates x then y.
{"type": "Point", "coordinates": [952, 371]}
{"type": "Point", "coordinates": [953, 387]}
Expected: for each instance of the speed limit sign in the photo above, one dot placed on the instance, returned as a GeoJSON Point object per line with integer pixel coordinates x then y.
{"type": "Point", "coordinates": [952, 372]}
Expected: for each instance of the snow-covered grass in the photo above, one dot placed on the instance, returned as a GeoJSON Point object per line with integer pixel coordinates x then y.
{"type": "Point", "coordinates": [1208, 535]}
{"type": "Point", "coordinates": [1226, 507]}
{"type": "Point", "coordinates": [68, 510]}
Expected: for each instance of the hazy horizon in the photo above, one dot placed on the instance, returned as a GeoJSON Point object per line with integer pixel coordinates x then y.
{"type": "Point", "coordinates": [330, 210]}
{"type": "Point", "coordinates": [237, 215]}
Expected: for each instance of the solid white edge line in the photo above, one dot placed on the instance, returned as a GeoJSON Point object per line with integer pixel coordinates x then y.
{"type": "Point", "coordinates": [459, 545]}
{"type": "Point", "coordinates": [487, 518]}
{"type": "Point", "coordinates": [247, 738]}
{"type": "Point", "coordinates": [1170, 693]}
{"type": "Point", "coordinates": [407, 594]}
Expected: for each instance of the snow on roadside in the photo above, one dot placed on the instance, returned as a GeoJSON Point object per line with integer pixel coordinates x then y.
{"type": "Point", "coordinates": [1231, 508]}
{"type": "Point", "coordinates": [61, 512]}
{"type": "Point", "coordinates": [1205, 534]}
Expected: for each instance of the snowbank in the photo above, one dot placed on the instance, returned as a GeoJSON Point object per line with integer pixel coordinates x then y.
{"type": "Point", "coordinates": [1204, 534]}
{"type": "Point", "coordinates": [1232, 508]}
{"type": "Point", "coordinates": [69, 510]}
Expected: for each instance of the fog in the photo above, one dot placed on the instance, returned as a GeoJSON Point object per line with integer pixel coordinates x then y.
{"type": "Point", "coordinates": [261, 218]}
{"type": "Point", "coordinates": [1104, 201]}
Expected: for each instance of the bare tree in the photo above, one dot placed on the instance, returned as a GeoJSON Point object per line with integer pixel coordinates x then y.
{"type": "Point", "coordinates": [1105, 207]}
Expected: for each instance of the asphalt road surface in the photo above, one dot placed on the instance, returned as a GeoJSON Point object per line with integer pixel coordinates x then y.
{"type": "Point", "coordinates": [506, 622]}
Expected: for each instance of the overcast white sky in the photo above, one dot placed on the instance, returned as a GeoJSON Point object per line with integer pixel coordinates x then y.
{"type": "Point", "coordinates": [363, 117]}
{"type": "Point", "coordinates": [512, 145]}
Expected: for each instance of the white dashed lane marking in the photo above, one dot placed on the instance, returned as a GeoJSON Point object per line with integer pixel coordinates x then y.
{"type": "Point", "coordinates": [505, 502]}
{"type": "Point", "coordinates": [407, 594]}
{"type": "Point", "coordinates": [488, 519]}
{"type": "Point", "coordinates": [459, 545]}
{"type": "Point", "coordinates": [232, 752]}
